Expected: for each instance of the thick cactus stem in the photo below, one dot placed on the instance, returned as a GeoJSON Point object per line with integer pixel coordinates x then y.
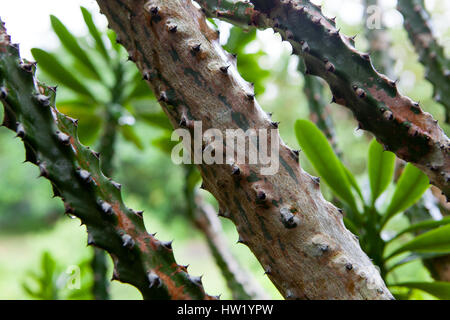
{"type": "Point", "coordinates": [197, 90]}
{"type": "Point", "coordinates": [75, 174]}
{"type": "Point", "coordinates": [396, 121]}
{"type": "Point", "coordinates": [431, 53]}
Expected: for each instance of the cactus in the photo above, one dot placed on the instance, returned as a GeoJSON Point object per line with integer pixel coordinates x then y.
{"type": "Point", "coordinates": [318, 109]}
{"type": "Point", "coordinates": [51, 143]}
{"type": "Point", "coordinates": [297, 236]}
{"type": "Point", "coordinates": [379, 43]}
{"type": "Point", "coordinates": [397, 122]}
{"type": "Point", "coordinates": [431, 53]}
{"type": "Point", "coordinates": [205, 218]}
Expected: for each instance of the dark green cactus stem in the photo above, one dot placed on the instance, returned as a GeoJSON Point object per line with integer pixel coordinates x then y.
{"type": "Point", "coordinates": [431, 53]}
{"type": "Point", "coordinates": [51, 143]}
{"type": "Point", "coordinates": [205, 218]}
{"type": "Point", "coordinates": [379, 41]}
{"type": "Point", "coordinates": [319, 110]}
{"type": "Point", "coordinates": [396, 121]}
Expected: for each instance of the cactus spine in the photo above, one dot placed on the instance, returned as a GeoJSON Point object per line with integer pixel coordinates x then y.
{"type": "Point", "coordinates": [298, 237]}
{"type": "Point", "coordinates": [51, 143]}
{"type": "Point", "coordinates": [431, 53]}
{"type": "Point", "coordinates": [396, 121]}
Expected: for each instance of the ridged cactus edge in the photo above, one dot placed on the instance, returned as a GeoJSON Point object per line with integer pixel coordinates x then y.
{"type": "Point", "coordinates": [51, 143]}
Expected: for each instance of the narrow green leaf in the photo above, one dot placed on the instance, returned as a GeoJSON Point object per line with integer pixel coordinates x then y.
{"type": "Point", "coordinates": [440, 290]}
{"type": "Point", "coordinates": [410, 188]}
{"type": "Point", "coordinates": [351, 178]}
{"type": "Point", "coordinates": [437, 240]}
{"type": "Point", "coordinates": [316, 147]}
{"type": "Point", "coordinates": [50, 64]}
{"type": "Point", "coordinates": [424, 225]}
{"type": "Point", "coordinates": [381, 169]}
{"type": "Point", "coordinates": [87, 16]}
{"type": "Point", "coordinates": [71, 44]}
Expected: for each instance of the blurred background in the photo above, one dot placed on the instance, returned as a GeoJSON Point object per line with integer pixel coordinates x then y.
{"type": "Point", "coordinates": [39, 245]}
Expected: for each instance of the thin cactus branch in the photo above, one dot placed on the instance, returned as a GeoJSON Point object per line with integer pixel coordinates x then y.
{"type": "Point", "coordinates": [242, 285]}
{"type": "Point", "coordinates": [431, 53]}
{"type": "Point", "coordinates": [298, 237]}
{"type": "Point", "coordinates": [379, 46]}
{"type": "Point", "coordinates": [396, 121]}
{"type": "Point", "coordinates": [319, 110]}
{"type": "Point", "coordinates": [51, 143]}
{"type": "Point", "coordinates": [204, 217]}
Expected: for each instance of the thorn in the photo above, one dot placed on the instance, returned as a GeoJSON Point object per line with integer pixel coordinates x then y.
{"type": "Point", "coordinates": [90, 240]}
{"type": "Point", "coordinates": [116, 185]}
{"type": "Point", "coordinates": [235, 171]}
{"type": "Point", "coordinates": [288, 219]}
{"type": "Point", "coordinates": [330, 67]}
{"type": "Point", "coordinates": [173, 28]}
{"type": "Point", "coordinates": [224, 69]}
{"type": "Point", "coordinates": [333, 100]}
{"type": "Point", "coordinates": [146, 76]}
{"type": "Point", "coordinates": [128, 241]}
{"type": "Point", "coordinates": [261, 195]}
{"type": "Point", "coordinates": [63, 138]}
{"type": "Point", "coordinates": [196, 48]}
{"type": "Point", "coordinates": [250, 96]}
{"type": "Point", "coordinates": [106, 207]}
{"type": "Point", "coordinates": [316, 180]}
{"type": "Point", "coordinates": [43, 171]}
{"type": "Point", "coordinates": [275, 124]}
{"type": "Point", "coordinates": [240, 241]}
{"type": "Point", "coordinates": [154, 10]}
{"type": "Point", "coordinates": [154, 280]}
{"type": "Point", "coordinates": [361, 93]}
{"type": "Point", "coordinates": [140, 213]}
{"type": "Point", "coordinates": [167, 245]}
{"type": "Point", "coordinates": [267, 271]}
{"type": "Point", "coordinates": [388, 115]}
{"type": "Point", "coordinates": [349, 266]}
{"type": "Point", "coordinates": [3, 93]}
{"type": "Point", "coordinates": [183, 122]}
{"type": "Point", "coordinates": [196, 280]}
{"type": "Point", "coordinates": [43, 100]}
{"type": "Point", "coordinates": [68, 209]}
{"type": "Point", "coordinates": [20, 131]}
{"type": "Point", "coordinates": [84, 175]}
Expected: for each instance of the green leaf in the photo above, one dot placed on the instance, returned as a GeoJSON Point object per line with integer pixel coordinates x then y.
{"type": "Point", "coordinates": [87, 16]}
{"type": "Point", "coordinates": [51, 65]}
{"type": "Point", "coordinates": [316, 147]}
{"type": "Point", "coordinates": [410, 188]}
{"type": "Point", "coordinates": [351, 178]}
{"type": "Point", "coordinates": [434, 241]}
{"type": "Point", "coordinates": [130, 135]}
{"type": "Point", "coordinates": [381, 166]}
{"type": "Point", "coordinates": [424, 225]}
{"type": "Point", "coordinates": [71, 44]}
{"type": "Point", "coordinates": [440, 290]}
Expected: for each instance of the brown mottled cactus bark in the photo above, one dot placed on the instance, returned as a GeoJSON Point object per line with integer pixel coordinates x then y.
{"type": "Point", "coordinates": [297, 236]}
{"type": "Point", "coordinates": [397, 122]}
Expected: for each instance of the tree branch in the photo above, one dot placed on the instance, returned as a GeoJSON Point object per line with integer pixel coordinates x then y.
{"type": "Point", "coordinates": [396, 121]}
{"type": "Point", "coordinates": [297, 236]}
{"type": "Point", "coordinates": [51, 143]}
{"type": "Point", "coordinates": [431, 53]}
